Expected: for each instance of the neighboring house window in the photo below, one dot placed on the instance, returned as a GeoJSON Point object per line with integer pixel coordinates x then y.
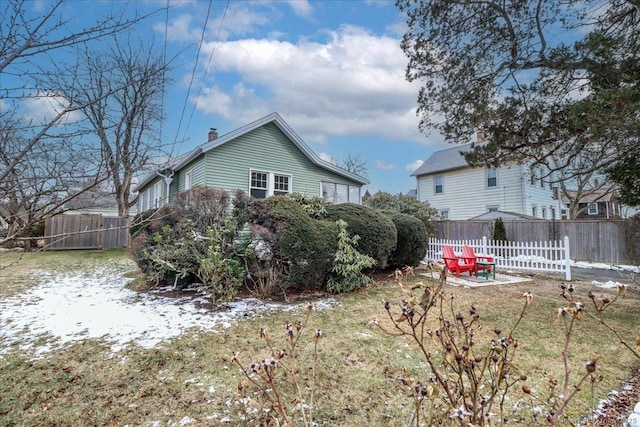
{"type": "Point", "coordinates": [494, 208]}
{"type": "Point", "coordinates": [265, 184]}
{"type": "Point", "coordinates": [534, 211]}
{"type": "Point", "coordinates": [544, 213]}
{"type": "Point", "coordinates": [157, 194]}
{"type": "Point", "coordinates": [340, 193]}
{"type": "Point", "coordinates": [492, 177]}
{"type": "Point", "coordinates": [532, 177]}
{"type": "Point", "coordinates": [439, 184]}
{"type": "Point", "coordinates": [553, 212]}
{"type": "Point", "coordinates": [593, 209]}
{"type": "Point", "coordinates": [564, 213]}
{"type": "Point", "coordinates": [259, 184]}
{"type": "Point", "coordinates": [444, 214]}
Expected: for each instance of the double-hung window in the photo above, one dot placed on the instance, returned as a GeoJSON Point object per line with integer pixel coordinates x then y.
{"type": "Point", "coordinates": [439, 184]}
{"type": "Point", "coordinates": [593, 209]}
{"type": "Point", "coordinates": [492, 178]}
{"type": "Point", "coordinates": [264, 184]}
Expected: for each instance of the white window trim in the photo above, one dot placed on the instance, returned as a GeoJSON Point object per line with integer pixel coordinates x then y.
{"type": "Point", "coordinates": [271, 181]}
{"type": "Point", "coordinates": [487, 177]}
{"type": "Point", "coordinates": [335, 192]}
{"type": "Point", "coordinates": [593, 209]}
{"type": "Point", "coordinates": [435, 184]}
{"type": "Point", "coordinates": [157, 194]}
{"type": "Point", "coordinates": [444, 214]}
{"type": "Point", "coordinates": [188, 180]}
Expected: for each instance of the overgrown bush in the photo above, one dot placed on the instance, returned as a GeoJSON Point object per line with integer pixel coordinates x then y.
{"type": "Point", "coordinates": [304, 246]}
{"type": "Point", "coordinates": [141, 221]}
{"type": "Point", "coordinates": [413, 240]}
{"type": "Point", "coordinates": [378, 234]}
{"type": "Point", "coordinates": [404, 204]}
{"type": "Point", "coordinates": [191, 242]}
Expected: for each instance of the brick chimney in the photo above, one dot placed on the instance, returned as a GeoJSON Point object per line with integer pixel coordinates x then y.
{"type": "Point", "coordinates": [213, 134]}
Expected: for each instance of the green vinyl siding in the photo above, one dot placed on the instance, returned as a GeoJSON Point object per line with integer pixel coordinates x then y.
{"type": "Point", "coordinates": [265, 149]}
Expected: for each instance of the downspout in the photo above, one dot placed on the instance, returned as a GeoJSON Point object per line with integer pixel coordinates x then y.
{"type": "Point", "coordinates": [168, 179]}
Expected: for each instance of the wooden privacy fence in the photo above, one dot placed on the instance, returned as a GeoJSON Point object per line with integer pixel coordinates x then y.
{"type": "Point", "coordinates": [86, 232]}
{"type": "Point", "coordinates": [603, 241]}
{"type": "Point", "coordinates": [549, 256]}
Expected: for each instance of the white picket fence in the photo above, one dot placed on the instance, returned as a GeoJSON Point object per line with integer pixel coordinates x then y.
{"type": "Point", "coordinates": [552, 256]}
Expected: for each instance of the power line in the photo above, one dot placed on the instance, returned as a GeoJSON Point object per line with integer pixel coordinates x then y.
{"type": "Point", "coordinates": [193, 72]}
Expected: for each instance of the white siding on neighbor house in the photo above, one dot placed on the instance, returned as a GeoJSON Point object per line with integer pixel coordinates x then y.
{"type": "Point", "coordinates": [539, 196]}
{"type": "Point", "coordinates": [466, 194]}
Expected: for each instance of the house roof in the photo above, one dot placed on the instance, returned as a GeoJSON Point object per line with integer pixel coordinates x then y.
{"type": "Point", "coordinates": [504, 215]}
{"type": "Point", "coordinates": [271, 118]}
{"type": "Point", "coordinates": [444, 160]}
{"type": "Point", "coordinates": [600, 195]}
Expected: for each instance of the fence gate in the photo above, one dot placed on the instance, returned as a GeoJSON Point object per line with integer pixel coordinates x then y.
{"type": "Point", "coordinates": [86, 232]}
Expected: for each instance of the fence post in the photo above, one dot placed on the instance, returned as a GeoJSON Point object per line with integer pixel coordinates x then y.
{"type": "Point", "coordinates": [484, 245]}
{"type": "Point", "coordinates": [567, 259]}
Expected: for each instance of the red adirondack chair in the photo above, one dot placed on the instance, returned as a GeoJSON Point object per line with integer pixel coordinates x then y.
{"type": "Point", "coordinates": [456, 263]}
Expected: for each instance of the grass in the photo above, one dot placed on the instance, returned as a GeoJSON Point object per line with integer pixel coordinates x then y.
{"type": "Point", "coordinates": [354, 378]}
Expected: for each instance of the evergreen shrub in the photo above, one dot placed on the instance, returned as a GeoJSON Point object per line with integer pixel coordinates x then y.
{"type": "Point", "coordinates": [413, 240]}
{"type": "Point", "coordinates": [378, 234]}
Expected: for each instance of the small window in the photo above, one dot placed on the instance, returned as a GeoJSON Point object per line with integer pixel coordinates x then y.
{"type": "Point", "coordinates": [553, 212]}
{"type": "Point", "coordinates": [492, 177]}
{"type": "Point", "coordinates": [593, 209]}
{"type": "Point", "coordinates": [157, 194]}
{"type": "Point", "coordinates": [259, 184]}
{"type": "Point", "coordinates": [444, 214]}
{"type": "Point", "coordinates": [188, 180]}
{"type": "Point", "coordinates": [544, 213]}
{"type": "Point", "coordinates": [439, 184]}
{"type": "Point", "coordinates": [493, 208]}
{"type": "Point", "coordinates": [534, 211]}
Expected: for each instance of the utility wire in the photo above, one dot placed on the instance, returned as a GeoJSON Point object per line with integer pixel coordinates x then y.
{"type": "Point", "coordinates": [193, 72]}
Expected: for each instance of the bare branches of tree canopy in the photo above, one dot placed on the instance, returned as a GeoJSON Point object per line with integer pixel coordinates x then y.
{"type": "Point", "coordinates": [121, 91]}
{"type": "Point", "coordinates": [46, 158]}
{"type": "Point", "coordinates": [542, 80]}
{"type": "Point", "coordinates": [354, 164]}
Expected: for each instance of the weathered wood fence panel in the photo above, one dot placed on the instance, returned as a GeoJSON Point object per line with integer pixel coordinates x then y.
{"type": "Point", "coordinates": [593, 241]}
{"type": "Point", "coordinates": [86, 232]}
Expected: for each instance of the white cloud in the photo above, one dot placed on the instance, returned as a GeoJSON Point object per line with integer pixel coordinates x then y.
{"type": "Point", "coordinates": [45, 106]}
{"type": "Point", "coordinates": [411, 167]}
{"type": "Point", "coordinates": [301, 7]}
{"type": "Point", "coordinates": [327, 158]}
{"type": "Point", "coordinates": [384, 165]}
{"type": "Point", "coordinates": [350, 84]}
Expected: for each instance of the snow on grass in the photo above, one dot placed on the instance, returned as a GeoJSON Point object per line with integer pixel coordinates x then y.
{"type": "Point", "coordinates": [78, 306]}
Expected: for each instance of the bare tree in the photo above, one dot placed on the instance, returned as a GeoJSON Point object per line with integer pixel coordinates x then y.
{"type": "Point", "coordinates": [121, 91]}
{"type": "Point", "coordinates": [40, 154]}
{"type": "Point", "coordinates": [354, 164]}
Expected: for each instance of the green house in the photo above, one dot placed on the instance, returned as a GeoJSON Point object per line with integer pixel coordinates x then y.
{"type": "Point", "coordinates": [263, 158]}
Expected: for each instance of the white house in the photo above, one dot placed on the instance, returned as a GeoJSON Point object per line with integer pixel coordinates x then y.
{"type": "Point", "coordinates": [460, 192]}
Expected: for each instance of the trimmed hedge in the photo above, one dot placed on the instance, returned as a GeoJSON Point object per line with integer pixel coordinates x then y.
{"type": "Point", "coordinates": [413, 240]}
{"type": "Point", "coordinates": [378, 234]}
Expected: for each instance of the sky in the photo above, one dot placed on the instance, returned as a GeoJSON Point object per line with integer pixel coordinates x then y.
{"type": "Point", "coordinates": [332, 69]}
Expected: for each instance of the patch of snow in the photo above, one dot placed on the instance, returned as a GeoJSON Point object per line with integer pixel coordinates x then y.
{"type": "Point", "coordinates": [608, 284]}
{"type": "Point", "coordinates": [79, 306]}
